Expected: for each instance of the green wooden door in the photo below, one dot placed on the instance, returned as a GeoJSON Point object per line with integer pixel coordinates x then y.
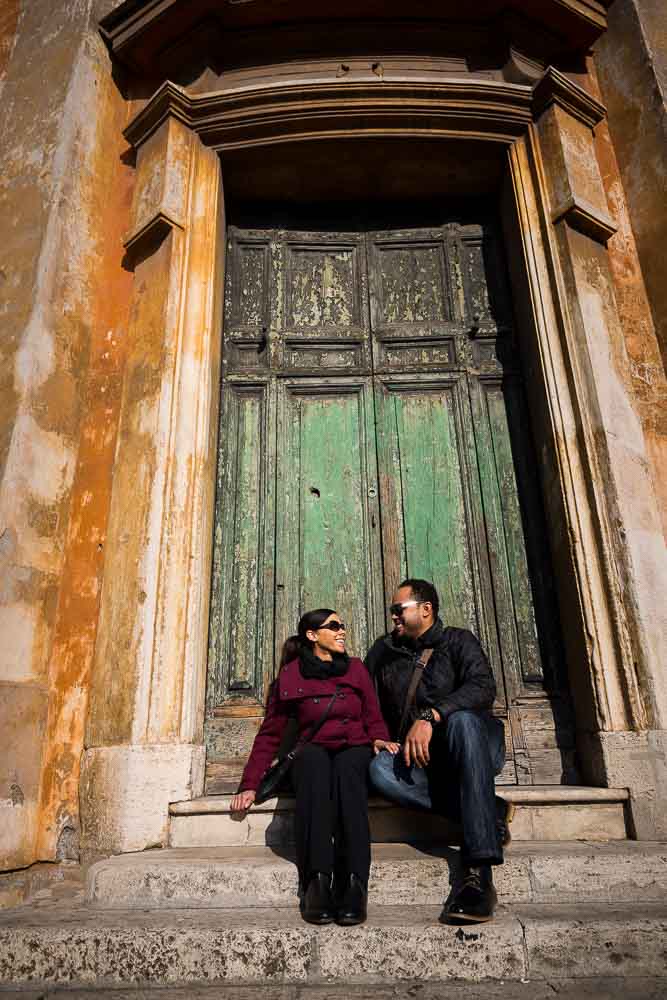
{"type": "Point", "coordinates": [373, 427]}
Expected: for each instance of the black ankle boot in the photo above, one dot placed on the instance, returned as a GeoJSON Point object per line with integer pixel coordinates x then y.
{"type": "Point", "coordinates": [351, 906]}
{"type": "Point", "coordinates": [318, 906]}
{"type": "Point", "coordinates": [474, 898]}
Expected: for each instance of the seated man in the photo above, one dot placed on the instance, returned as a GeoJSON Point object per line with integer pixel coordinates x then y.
{"type": "Point", "coordinates": [452, 747]}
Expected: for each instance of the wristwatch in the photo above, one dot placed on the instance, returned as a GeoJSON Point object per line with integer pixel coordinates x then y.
{"type": "Point", "coordinates": [427, 715]}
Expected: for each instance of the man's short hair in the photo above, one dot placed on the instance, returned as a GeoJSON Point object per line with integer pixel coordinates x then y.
{"type": "Point", "coordinates": [423, 591]}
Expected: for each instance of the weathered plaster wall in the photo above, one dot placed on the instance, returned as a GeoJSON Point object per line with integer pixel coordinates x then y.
{"type": "Point", "coordinates": [63, 197]}
{"type": "Point", "coordinates": [631, 60]}
{"type": "Point", "coordinates": [638, 358]}
{"type": "Point", "coordinates": [9, 19]}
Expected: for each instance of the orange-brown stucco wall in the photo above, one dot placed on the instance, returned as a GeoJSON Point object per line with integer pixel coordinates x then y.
{"type": "Point", "coordinates": [64, 205]}
{"type": "Point", "coordinates": [9, 18]}
{"type": "Point", "coordinates": [645, 374]}
{"type": "Point", "coordinates": [78, 600]}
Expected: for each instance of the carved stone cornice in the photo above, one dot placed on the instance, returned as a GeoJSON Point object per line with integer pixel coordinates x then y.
{"type": "Point", "coordinates": [142, 33]}
{"type": "Point", "coordinates": [254, 116]}
{"type": "Point", "coordinates": [556, 88]}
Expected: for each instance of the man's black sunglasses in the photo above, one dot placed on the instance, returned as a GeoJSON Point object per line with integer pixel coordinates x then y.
{"type": "Point", "coordinates": [397, 609]}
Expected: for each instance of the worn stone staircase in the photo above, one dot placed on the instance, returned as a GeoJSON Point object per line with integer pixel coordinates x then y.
{"type": "Point", "coordinates": [577, 901]}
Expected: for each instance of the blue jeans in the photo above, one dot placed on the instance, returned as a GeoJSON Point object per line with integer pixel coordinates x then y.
{"type": "Point", "coordinates": [467, 751]}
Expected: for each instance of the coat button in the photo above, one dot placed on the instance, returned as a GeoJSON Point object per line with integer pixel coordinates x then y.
{"type": "Point", "coordinates": [299, 690]}
{"type": "Point", "coordinates": [316, 700]}
{"type": "Point", "coordinates": [284, 694]}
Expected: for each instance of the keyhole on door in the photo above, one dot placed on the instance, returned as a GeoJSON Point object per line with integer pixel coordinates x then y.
{"type": "Point", "coordinates": [314, 490]}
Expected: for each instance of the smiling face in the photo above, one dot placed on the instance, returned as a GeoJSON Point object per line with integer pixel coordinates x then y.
{"type": "Point", "coordinates": [327, 641]}
{"type": "Point", "coordinates": [414, 618]}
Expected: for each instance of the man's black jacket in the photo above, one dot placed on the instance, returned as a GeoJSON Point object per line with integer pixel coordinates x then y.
{"type": "Point", "coordinates": [457, 676]}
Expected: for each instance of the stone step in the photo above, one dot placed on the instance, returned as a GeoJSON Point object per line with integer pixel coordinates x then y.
{"type": "Point", "coordinates": [591, 988]}
{"type": "Point", "coordinates": [543, 812]}
{"type": "Point", "coordinates": [619, 871]}
{"type": "Point", "coordinates": [104, 948]}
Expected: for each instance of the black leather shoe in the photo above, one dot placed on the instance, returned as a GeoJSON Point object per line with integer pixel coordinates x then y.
{"type": "Point", "coordinates": [317, 906]}
{"type": "Point", "coordinates": [351, 906]}
{"type": "Point", "coordinates": [474, 899]}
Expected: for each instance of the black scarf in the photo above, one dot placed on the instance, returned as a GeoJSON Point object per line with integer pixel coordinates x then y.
{"type": "Point", "coordinates": [426, 640]}
{"type": "Point", "coordinates": [312, 668]}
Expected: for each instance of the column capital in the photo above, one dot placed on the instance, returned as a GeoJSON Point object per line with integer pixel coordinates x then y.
{"type": "Point", "coordinates": [556, 88]}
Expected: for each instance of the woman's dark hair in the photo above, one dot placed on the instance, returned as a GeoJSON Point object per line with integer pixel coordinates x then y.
{"type": "Point", "coordinates": [423, 590]}
{"type": "Point", "coordinates": [311, 621]}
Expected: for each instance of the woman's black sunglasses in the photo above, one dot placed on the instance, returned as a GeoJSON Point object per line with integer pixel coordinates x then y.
{"type": "Point", "coordinates": [334, 626]}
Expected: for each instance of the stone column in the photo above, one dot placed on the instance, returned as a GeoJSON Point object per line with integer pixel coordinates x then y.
{"type": "Point", "coordinates": [625, 540]}
{"type": "Point", "coordinates": [145, 731]}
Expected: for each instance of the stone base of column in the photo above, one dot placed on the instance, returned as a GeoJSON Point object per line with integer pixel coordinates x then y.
{"type": "Point", "coordinates": [126, 790]}
{"type": "Point", "coordinates": [638, 762]}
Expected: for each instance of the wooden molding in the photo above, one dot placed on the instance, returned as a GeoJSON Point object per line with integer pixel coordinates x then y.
{"type": "Point", "coordinates": [253, 116]}
{"type": "Point", "coordinates": [556, 88]}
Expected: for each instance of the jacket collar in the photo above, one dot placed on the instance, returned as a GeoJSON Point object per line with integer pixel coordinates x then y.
{"type": "Point", "coordinates": [406, 647]}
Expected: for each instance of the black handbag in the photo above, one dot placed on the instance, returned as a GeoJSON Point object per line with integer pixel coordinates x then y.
{"type": "Point", "coordinates": [276, 776]}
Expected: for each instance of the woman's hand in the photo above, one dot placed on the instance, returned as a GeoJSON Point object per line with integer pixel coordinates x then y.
{"type": "Point", "coordinates": [385, 745]}
{"type": "Point", "coordinates": [242, 801]}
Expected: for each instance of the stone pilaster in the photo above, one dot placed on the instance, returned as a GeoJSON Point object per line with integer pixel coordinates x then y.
{"type": "Point", "coordinates": [626, 531]}
{"type": "Point", "coordinates": [145, 730]}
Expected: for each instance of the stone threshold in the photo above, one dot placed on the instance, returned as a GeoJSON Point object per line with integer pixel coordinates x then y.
{"type": "Point", "coordinates": [543, 813]}
{"type": "Point", "coordinates": [518, 794]}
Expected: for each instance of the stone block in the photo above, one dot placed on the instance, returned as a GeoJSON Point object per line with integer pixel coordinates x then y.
{"type": "Point", "coordinates": [602, 821]}
{"type": "Point", "coordinates": [614, 873]}
{"type": "Point", "coordinates": [389, 949]}
{"type": "Point", "coordinates": [605, 942]}
{"type": "Point", "coordinates": [126, 790]}
{"type": "Point", "coordinates": [70, 948]}
{"type": "Point", "coordinates": [23, 710]}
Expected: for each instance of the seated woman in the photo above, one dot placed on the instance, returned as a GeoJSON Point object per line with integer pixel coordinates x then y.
{"type": "Point", "coordinates": [329, 773]}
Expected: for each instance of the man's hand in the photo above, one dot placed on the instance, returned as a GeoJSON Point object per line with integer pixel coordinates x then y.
{"type": "Point", "coordinates": [242, 801]}
{"type": "Point", "coordinates": [385, 745]}
{"type": "Point", "coordinates": [415, 748]}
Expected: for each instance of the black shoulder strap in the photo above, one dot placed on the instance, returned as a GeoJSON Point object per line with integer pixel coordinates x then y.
{"type": "Point", "coordinates": [412, 689]}
{"type": "Point", "coordinates": [316, 726]}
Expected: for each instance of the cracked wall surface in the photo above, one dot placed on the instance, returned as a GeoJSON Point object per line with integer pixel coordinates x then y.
{"type": "Point", "coordinates": [63, 195]}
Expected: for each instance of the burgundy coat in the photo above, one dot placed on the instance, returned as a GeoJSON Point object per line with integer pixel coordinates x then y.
{"type": "Point", "coordinates": [354, 720]}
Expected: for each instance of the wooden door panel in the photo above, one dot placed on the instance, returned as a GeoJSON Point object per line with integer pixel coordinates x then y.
{"type": "Point", "coordinates": [247, 302]}
{"type": "Point", "coordinates": [504, 533]}
{"type": "Point", "coordinates": [321, 302]}
{"type": "Point", "coordinates": [242, 590]}
{"type": "Point", "coordinates": [328, 543]}
{"type": "Point", "coordinates": [427, 520]}
{"type": "Point", "coordinates": [413, 313]}
{"type": "Point", "coordinates": [525, 605]}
